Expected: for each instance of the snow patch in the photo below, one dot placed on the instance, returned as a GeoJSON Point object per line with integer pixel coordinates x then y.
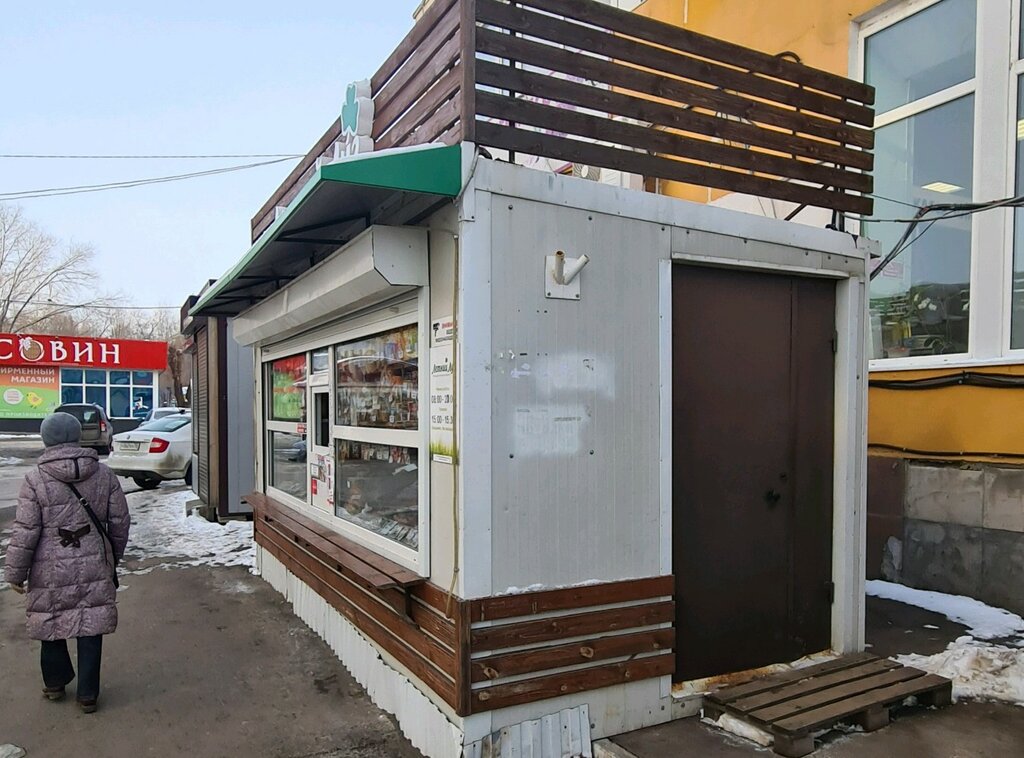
{"type": "Point", "coordinates": [10, 461]}
{"type": "Point", "coordinates": [983, 621]}
{"type": "Point", "coordinates": [19, 437]}
{"type": "Point", "coordinates": [734, 726]}
{"type": "Point", "coordinates": [162, 532]}
{"type": "Point", "coordinates": [540, 587]}
{"type": "Point", "coordinates": [978, 670]}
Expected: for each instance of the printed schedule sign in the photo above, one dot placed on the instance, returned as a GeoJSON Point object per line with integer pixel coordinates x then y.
{"type": "Point", "coordinates": [442, 403]}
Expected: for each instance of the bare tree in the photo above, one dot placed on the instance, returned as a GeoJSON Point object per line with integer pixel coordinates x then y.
{"type": "Point", "coordinates": [40, 279]}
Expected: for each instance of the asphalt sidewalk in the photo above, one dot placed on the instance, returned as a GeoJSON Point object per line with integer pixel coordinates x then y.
{"type": "Point", "coordinates": [207, 660]}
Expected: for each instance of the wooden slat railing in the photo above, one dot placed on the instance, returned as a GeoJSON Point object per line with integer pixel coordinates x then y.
{"type": "Point", "coordinates": [583, 82]}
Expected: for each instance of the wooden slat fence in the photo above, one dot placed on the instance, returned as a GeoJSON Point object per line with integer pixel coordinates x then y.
{"type": "Point", "coordinates": [579, 81]}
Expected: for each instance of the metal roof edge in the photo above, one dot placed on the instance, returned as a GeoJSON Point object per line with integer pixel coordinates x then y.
{"type": "Point", "coordinates": [429, 173]}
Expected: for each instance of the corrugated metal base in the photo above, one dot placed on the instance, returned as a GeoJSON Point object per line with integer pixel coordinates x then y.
{"type": "Point", "coordinates": [427, 728]}
{"type": "Point", "coordinates": [560, 735]}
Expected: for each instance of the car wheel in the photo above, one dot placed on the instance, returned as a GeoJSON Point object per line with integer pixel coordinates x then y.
{"type": "Point", "coordinates": [146, 484]}
{"type": "Point", "coordinates": [188, 475]}
{"type": "Point", "coordinates": [103, 450]}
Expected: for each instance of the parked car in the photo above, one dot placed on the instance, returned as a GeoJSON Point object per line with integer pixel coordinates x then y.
{"type": "Point", "coordinates": [163, 412]}
{"type": "Point", "coordinates": [96, 427]}
{"type": "Point", "coordinates": [155, 452]}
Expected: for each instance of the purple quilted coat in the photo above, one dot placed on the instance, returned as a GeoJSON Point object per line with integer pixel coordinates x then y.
{"type": "Point", "coordinates": [70, 590]}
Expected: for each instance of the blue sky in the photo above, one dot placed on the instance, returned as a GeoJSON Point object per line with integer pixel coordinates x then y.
{"type": "Point", "coordinates": [187, 77]}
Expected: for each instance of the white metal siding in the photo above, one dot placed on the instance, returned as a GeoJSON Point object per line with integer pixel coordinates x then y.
{"type": "Point", "coordinates": [575, 398]}
{"type": "Point", "coordinates": [558, 735]}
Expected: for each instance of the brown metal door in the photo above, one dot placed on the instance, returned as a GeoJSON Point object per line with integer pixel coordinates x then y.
{"type": "Point", "coordinates": [752, 416]}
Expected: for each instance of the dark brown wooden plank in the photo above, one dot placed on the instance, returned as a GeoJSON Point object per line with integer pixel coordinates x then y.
{"type": "Point", "coordinates": [326, 140]}
{"type": "Point", "coordinates": [443, 90]}
{"type": "Point", "coordinates": [576, 625]}
{"type": "Point", "coordinates": [329, 552]}
{"type": "Point", "coordinates": [435, 597]}
{"type": "Point", "coordinates": [534, 661]}
{"type": "Point", "coordinates": [610, 44]}
{"type": "Point", "coordinates": [438, 53]}
{"type": "Point", "coordinates": [653, 140]}
{"type": "Point", "coordinates": [399, 573]}
{"type": "Point", "coordinates": [831, 714]}
{"type": "Point", "coordinates": [437, 124]}
{"type": "Point", "coordinates": [730, 694]}
{"type": "Point", "coordinates": [666, 114]}
{"type": "Point", "coordinates": [567, 683]}
{"type": "Point", "coordinates": [569, 598]}
{"type": "Point", "coordinates": [809, 686]}
{"type": "Point", "coordinates": [661, 33]}
{"type": "Point", "coordinates": [837, 694]}
{"type": "Point", "coordinates": [426, 646]}
{"type": "Point", "coordinates": [659, 85]}
{"type": "Point", "coordinates": [577, 151]}
{"type": "Point", "coordinates": [429, 674]}
{"type": "Point", "coordinates": [463, 652]}
{"type": "Point", "coordinates": [412, 40]}
{"type": "Point", "coordinates": [467, 56]}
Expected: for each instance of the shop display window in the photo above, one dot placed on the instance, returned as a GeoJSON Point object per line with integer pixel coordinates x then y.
{"type": "Point", "coordinates": [122, 394]}
{"type": "Point", "coordinates": [378, 380]}
{"type": "Point", "coordinates": [378, 489]}
{"type": "Point", "coordinates": [287, 380]}
{"type": "Point", "coordinates": [287, 463]}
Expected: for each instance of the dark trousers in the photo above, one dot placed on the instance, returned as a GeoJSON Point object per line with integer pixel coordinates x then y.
{"type": "Point", "coordinates": [58, 671]}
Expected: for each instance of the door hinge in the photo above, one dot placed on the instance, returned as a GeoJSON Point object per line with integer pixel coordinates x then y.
{"type": "Point", "coordinates": [830, 591]}
{"type": "Point", "coordinates": [835, 342]}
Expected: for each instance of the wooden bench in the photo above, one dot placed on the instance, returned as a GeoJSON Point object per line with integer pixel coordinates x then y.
{"type": "Point", "coordinates": [276, 521]}
{"type": "Point", "coordinates": [796, 704]}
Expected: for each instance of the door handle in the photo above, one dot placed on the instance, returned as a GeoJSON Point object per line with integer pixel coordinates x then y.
{"type": "Point", "coordinates": [772, 498]}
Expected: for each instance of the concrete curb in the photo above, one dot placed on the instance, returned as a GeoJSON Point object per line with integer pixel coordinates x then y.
{"type": "Point", "coordinates": [608, 749]}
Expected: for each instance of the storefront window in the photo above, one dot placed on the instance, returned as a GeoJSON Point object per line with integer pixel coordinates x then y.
{"type": "Point", "coordinates": [378, 489]}
{"type": "Point", "coordinates": [321, 361]}
{"type": "Point", "coordinates": [287, 463]}
{"type": "Point", "coordinates": [121, 377]}
{"type": "Point", "coordinates": [378, 380]}
{"type": "Point", "coordinates": [97, 395]}
{"type": "Point", "coordinates": [71, 375]}
{"type": "Point", "coordinates": [71, 395]}
{"type": "Point", "coordinates": [287, 380]}
{"type": "Point", "coordinates": [120, 402]}
{"type": "Point", "coordinates": [95, 376]}
{"type": "Point", "coordinates": [142, 377]}
{"type": "Point", "coordinates": [143, 397]}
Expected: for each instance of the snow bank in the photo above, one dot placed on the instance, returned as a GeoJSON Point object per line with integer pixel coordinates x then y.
{"type": "Point", "coordinates": [10, 461]}
{"type": "Point", "coordinates": [161, 531]}
{"type": "Point", "coordinates": [978, 670]}
{"type": "Point", "coordinates": [983, 621]}
{"type": "Point", "coordinates": [19, 437]}
{"type": "Point", "coordinates": [739, 728]}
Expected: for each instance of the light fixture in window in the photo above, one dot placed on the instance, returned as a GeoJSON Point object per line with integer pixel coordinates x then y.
{"type": "Point", "coordinates": [1020, 129]}
{"type": "Point", "coordinates": [943, 187]}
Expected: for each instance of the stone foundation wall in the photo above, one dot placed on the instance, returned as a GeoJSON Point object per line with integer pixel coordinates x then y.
{"type": "Point", "coordinates": [955, 528]}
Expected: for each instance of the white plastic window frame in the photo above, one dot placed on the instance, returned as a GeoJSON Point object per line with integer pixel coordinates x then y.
{"type": "Point", "coordinates": [988, 332]}
{"type": "Point", "coordinates": [393, 315]}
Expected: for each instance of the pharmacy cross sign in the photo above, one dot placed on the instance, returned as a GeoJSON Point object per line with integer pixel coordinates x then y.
{"type": "Point", "coordinates": [356, 121]}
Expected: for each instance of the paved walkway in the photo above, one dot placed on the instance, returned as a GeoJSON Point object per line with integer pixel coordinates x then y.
{"type": "Point", "coordinates": [207, 661]}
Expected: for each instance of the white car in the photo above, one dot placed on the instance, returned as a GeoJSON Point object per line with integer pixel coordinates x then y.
{"type": "Point", "coordinates": [161, 450]}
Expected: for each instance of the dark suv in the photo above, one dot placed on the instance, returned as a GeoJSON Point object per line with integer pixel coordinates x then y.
{"type": "Point", "coordinates": [96, 427]}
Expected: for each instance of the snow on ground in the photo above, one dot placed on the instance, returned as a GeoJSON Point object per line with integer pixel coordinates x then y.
{"type": "Point", "coordinates": [10, 461]}
{"type": "Point", "coordinates": [19, 437]}
{"type": "Point", "coordinates": [978, 670]}
{"type": "Point", "coordinates": [983, 621]}
{"type": "Point", "coordinates": [165, 538]}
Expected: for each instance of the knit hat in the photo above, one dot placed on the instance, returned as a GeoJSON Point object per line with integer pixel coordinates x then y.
{"type": "Point", "coordinates": [60, 429]}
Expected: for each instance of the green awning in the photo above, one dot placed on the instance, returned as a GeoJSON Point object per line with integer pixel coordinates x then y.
{"type": "Point", "coordinates": [335, 205]}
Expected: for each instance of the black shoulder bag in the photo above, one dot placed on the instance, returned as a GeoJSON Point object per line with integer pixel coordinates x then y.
{"type": "Point", "coordinates": [99, 528]}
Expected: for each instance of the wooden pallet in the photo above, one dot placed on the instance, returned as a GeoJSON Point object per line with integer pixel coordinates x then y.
{"type": "Point", "coordinates": [858, 689]}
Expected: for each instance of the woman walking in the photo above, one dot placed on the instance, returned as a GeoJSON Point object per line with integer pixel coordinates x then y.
{"type": "Point", "coordinates": [70, 531]}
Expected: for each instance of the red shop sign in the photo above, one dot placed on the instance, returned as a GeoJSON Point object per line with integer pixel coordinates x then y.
{"type": "Point", "coordinates": [44, 350]}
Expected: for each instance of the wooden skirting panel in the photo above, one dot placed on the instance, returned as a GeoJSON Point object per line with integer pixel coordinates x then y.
{"type": "Point", "coordinates": [488, 653]}
{"type": "Point", "coordinates": [518, 658]}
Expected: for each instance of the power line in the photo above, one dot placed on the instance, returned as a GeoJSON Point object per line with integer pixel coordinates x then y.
{"type": "Point", "coordinates": [153, 157]}
{"type": "Point", "coordinates": [85, 188]}
{"type": "Point", "coordinates": [94, 306]}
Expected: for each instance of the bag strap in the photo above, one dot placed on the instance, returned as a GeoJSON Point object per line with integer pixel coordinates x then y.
{"type": "Point", "coordinates": [95, 521]}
